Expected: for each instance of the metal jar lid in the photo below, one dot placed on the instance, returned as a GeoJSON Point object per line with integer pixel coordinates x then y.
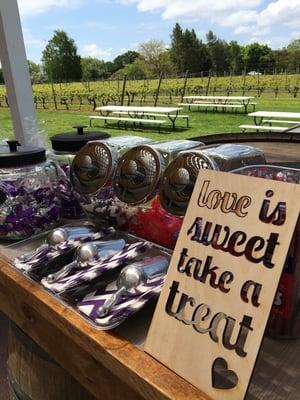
{"type": "Point", "coordinates": [179, 179]}
{"type": "Point", "coordinates": [71, 142]}
{"type": "Point", "coordinates": [92, 167]}
{"type": "Point", "coordinates": [138, 174]}
{"type": "Point", "coordinates": [14, 155]}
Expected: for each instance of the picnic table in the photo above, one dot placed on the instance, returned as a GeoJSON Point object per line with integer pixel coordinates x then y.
{"type": "Point", "coordinates": [224, 102]}
{"type": "Point", "coordinates": [139, 114]}
{"type": "Point", "coordinates": [265, 120]}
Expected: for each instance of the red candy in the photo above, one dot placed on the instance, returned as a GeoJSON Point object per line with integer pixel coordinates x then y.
{"type": "Point", "coordinates": [156, 225]}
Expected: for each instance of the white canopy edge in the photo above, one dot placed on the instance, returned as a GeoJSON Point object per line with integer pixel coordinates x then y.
{"type": "Point", "coordinates": [16, 75]}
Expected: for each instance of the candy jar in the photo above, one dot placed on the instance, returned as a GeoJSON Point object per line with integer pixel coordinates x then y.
{"type": "Point", "coordinates": [29, 195]}
{"type": "Point", "coordinates": [65, 146]}
{"type": "Point", "coordinates": [284, 319]}
{"type": "Point", "coordinates": [136, 185]}
{"type": "Point", "coordinates": [91, 176]}
{"type": "Point", "coordinates": [179, 178]}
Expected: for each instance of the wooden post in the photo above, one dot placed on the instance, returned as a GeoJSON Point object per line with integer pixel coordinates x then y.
{"type": "Point", "coordinates": [123, 90]}
{"type": "Point", "coordinates": [54, 95]}
{"type": "Point", "coordinates": [158, 89]}
{"type": "Point", "coordinates": [244, 82]}
{"type": "Point", "coordinates": [184, 85]}
{"type": "Point", "coordinates": [208, 84]}
{"type": "Point", "coordinates": [16, 75]}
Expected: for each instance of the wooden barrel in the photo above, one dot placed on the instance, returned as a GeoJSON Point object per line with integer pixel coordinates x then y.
{"type": "Point", "coordinates": [34, 375]}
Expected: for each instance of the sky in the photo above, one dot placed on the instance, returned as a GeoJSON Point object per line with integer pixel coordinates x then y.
{"type": "Point", "coordinates": [106, 28]}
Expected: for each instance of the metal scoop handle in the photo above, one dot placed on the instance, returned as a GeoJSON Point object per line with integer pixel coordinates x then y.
{"type": "Point", "coordinates": [51, 278]}
{"type": "Point", "coordinates": [29, 256]}
{"type": "Point", "coordinates": [111, 301]}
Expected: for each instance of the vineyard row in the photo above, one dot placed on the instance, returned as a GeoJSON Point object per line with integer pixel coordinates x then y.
{"type": "Point", "coordinates": [93, 94]}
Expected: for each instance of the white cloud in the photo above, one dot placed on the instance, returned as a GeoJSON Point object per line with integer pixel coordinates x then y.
{"type": "Point", "coordinates": [282, 12]}
{"type": "Point", "coordinates": [254, 18]}
{"type": "Point", "coordinates": [193, 8]}
{"type": "Point", "coordinates": [34, 7]}
{"type": "Point", "coordinates": [93, 50]}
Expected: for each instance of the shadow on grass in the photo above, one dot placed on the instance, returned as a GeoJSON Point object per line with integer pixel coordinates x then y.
{"type": "Point", "coordinates": [144, 128]}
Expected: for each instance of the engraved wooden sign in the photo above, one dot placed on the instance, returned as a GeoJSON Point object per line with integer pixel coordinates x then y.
{"type": "Point", "coordinates": [224, 272]}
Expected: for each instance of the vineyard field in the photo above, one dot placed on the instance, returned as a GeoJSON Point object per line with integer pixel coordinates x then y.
{"type": "Point", "coordinates": [51, 122]}
{"type": "Point", "coordinates": [88, 95]}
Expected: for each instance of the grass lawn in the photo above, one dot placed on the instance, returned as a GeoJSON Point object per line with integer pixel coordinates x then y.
{"type": "Point", "coordinates": [202, 123]}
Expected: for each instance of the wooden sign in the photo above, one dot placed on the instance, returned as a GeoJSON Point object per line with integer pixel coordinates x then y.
{"type": "Point", "coordinates": [214, 306]}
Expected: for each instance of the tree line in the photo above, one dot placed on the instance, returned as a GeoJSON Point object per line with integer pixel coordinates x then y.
{"type": "Point", "coordinates": [62, 63]}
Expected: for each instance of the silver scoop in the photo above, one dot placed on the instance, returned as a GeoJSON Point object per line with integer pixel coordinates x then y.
{"type": "Point", "coordinates": [131, 277]}
{"type": "Point", "coordinates": [56, 237]}
{"type": "Point", "coordinates": [89, 252]}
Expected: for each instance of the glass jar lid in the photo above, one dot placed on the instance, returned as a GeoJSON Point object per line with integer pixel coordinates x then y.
{"type": "Point", "coordinates": [15, 155]}
{"type": "Point", "coordinates": [92, 167]}
{"type": "Point", "coordinates": [72, 142]}
{"type": "Point", "coordinates": [179, 179]}
{"type": "Point", "coordinates": [138, 174]}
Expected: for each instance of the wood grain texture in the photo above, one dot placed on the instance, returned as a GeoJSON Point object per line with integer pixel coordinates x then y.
{"type": "Point", "coordinates": [108, 366]}
{"type": "Point", "coordinates": [207, 316]}
{"type": "Point", "coordinates": [35, 375]}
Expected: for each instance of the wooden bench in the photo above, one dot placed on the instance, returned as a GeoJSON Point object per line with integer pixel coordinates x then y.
{"type": "Point", "coordinates": [157, 122]}
{"type": "Point", "coordinates": [212, 105]}
{"type": "Point", "coordinates": [279, 121]}
{"type": "Point", "coordinates": [253, 104]}
{"type": "Point", "coordinates": [263, 128]}
{"type": "Point", "coordinates": [186, 117]}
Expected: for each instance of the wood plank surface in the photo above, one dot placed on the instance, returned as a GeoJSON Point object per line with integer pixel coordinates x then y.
{"type": "Point", "coordinates": [108, 366]}
{"type": "Point", "coordinates": [112, 365]}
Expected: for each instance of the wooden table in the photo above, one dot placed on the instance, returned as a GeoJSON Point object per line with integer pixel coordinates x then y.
{"type": "Point", "coordinates": [140, 112]}
{"type": "Point", "coordinates": [223, 100]}
{"type": "Point", "coordinates": [112, 364]}
{"type": "Point", "coordinates": [259, 117]}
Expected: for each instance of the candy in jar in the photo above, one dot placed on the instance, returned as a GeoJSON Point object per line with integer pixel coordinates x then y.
{"type": "Point", "coordinates": [284, 320]}
{"type": "Point", "coordinates": [29, 195]}
{"type": "Point", "coordinates": [179, 178]}
{"type": "Point", "coordinates": [136, 184]}
{"type": "Point", "coordinates": [91, 176]}
{"type": "Point", "coordinates": [64, 148]}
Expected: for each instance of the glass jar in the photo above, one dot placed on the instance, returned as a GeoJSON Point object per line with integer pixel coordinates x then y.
{"type": "Point", "coordinates": [91, 175]}
{"type": "Point", "coordinates": [65, 146]}
{"type": "Point", "coordinates": [29, 194]}
{"type": "Point", "coordinates": [180, 176]}
{"type": "Point", "coordinates": [284, 319]}
{"type": "Point", "coordinates": [136, 183]}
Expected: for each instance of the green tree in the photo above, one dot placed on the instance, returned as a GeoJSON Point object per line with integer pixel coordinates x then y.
{"type": "Point", "coordinates": [188, 52]}
{"type": "Point", "coordinates": [177, 48]}
{"type": "Point", "coordinates": [136, 70]}
{"type": "Point", "coordinates": [294, 45]}
{"type": "Point", "coordinates": [258, 56]}
{"type": "Point", "coordinates": [124, 59]}
{"type": "Point", "coordinates": [281, 59]}
{"type": "Point", "coordinates": [166, 64]}
{"type": "Point", "coordinates": [60, 59]}
{"type": "Point", "coordinates": [293, 50]}
{"type": "Point", "coordinates": [235, 58]}
{"type": "Point", "coordinates": [195, 53]}
{"type": "Point", "coordinates": [93, 69]}
{"type": "Point", "coordinates": [219, 53]}
{"type": "Point", "coordinates": [35, 72]}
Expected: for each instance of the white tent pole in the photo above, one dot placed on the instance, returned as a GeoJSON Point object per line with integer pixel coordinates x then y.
{"type": "Point", "coordinates": [16, 74]}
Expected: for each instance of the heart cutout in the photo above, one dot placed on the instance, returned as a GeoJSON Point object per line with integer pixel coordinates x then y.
{"type": "Point", "coordinates": [222, 377]}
